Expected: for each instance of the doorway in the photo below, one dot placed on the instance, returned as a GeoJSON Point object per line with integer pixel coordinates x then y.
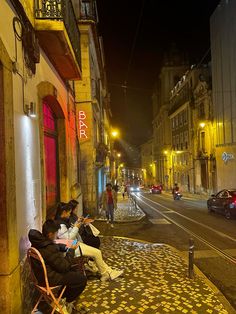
{"type": "Point", "coordinates": [51, 157]}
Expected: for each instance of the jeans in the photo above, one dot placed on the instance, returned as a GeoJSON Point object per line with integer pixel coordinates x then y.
{"type": "Point", "coordinates": [110, 212]}
{"type": "Point", "coordinates": [75, 284]}
{"type": "Point", "coordinates": [96, 254]}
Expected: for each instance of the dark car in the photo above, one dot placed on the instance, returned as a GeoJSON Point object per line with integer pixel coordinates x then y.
{"type": "Point", "coordinates": [156, 189]}
{"type": "Point", "coordinates": [223, 202]}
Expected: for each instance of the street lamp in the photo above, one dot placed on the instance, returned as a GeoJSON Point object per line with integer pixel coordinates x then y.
{"type": "Point", "coordinates": [115, 133]}
{"type": "Point", "coordinates": [119, 155]}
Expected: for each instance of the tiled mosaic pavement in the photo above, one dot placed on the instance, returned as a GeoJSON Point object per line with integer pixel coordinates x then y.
{"type": "Point", "coordinates": [126, 211]}
{"type": "Point", "coordinates": [154, 281]}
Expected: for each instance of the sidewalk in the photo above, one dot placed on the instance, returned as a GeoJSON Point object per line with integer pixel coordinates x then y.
{"type": "Point", "coordinates": [125, 212]}
{"type": "Point", "coordinates": [155, 281]}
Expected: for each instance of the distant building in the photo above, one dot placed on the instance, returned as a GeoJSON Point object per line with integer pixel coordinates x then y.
{"type": "Point", "coordinates": [190, 113]}
{"type": "Point", "coordinates": [147, 163]}
{"type": "Point", "coordinates": [174, 67]}
{"type": "Point", "coordinates": [223, 47]}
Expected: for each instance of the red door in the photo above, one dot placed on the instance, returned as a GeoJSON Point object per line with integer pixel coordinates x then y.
{"type": "Point", "coordinates": [51, 164]}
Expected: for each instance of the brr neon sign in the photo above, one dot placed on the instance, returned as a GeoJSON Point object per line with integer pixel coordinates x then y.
{"type": "Point", "coordinates": [82, 125]}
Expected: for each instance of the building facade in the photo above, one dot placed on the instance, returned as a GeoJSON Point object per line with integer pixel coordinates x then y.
{"type": "Point", "coordinates": [42, 121]}
{"type": "Point", "coordinates": [93, 110]}
{"type": "Point", "coordinates": [223, 47]}
{"type": "Point", "coordinates": [192, 155]}
{"type": "Point", "coordinates": [173, 68]}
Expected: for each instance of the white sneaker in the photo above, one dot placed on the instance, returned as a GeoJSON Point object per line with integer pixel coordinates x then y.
{"type": "Point", "coordinates": [112, 226]}
{"type": "Point", "coordinates": [115, 274]}
{"type": "Point", "coordinates": [105, 277]}
{"type": "Point", "coordinates": [93, 266]}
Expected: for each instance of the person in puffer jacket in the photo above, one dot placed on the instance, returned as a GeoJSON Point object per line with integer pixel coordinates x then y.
{"type": "Point", "coordinates": [59, 266]}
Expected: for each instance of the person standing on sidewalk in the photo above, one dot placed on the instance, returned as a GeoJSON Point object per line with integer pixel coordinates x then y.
{"type": "Point", "coordinates": [122, 190]}
{"type": "Point", "coordinates": [109, 203]}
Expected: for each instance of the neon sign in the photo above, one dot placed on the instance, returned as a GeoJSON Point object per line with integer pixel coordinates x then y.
{"type": "Point", "coordinates": [82, 125]}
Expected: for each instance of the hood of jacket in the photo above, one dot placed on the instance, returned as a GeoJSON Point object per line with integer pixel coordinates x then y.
{"type": "Point", "coordinates": [38, 240]}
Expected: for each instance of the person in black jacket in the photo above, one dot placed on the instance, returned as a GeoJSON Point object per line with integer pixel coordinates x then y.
{"type": "Point", "coordinates": [59, 265]}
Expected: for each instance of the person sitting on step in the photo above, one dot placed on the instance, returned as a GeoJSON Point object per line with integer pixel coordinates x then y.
{"type": "Point", "coordinates": [72, 232]}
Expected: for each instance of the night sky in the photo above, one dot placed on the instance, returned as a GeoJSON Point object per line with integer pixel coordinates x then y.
{"type": "Point", "coordinates": [162, 23]}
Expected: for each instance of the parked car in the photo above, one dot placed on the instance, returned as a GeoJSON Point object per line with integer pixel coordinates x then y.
{"type": "Point", "coordinates": [156, 189]}
{"type": "Point", "coordinates": [223, 202]}
{"type": "Point", "coordinates": [134, 188]}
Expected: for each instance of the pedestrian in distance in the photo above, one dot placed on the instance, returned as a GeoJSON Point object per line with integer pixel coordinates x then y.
{"type": "Point", "coordinates": [109, 203]}
{"type": "Point", "coordinates": [122, 190]}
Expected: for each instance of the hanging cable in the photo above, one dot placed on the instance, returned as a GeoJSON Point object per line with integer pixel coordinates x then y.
{"type": "Point", "coordinates": [134, 42]}
{"type": "Point", "coordinates": [204, 56]}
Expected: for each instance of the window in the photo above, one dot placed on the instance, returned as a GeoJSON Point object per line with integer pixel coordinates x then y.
{"type": "Point", "coordinates": [177, 142]}
{"type": "Point", "coordinates": [173, 123]}
{"type": "Point", "coordinates": [201, 111]}
{"type": "Point", "coordinates": [223, 194]}
{"type": "Point", "coordinates": [181, 118]}
{"type": "Point", "coordinates": [185, 118]}
{"type": "Point", "coordinates": [176, 121]}
{"type": "Point", "coordinates": [186, 139]}
{"type": "Point", "coordinates": [203, 141]}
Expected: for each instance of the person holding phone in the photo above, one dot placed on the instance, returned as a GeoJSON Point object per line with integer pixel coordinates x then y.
{"type": "Point", "coordinates": [85, 230]}
{"type": "Point", "coordinates": [72, 232]}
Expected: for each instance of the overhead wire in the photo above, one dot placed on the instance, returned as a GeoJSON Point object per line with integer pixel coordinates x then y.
{"type": "Point", "coordinates": [134, 41]}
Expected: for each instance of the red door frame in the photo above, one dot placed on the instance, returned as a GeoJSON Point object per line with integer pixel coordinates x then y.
{"type": "Point", "coordinates": [51, 158]}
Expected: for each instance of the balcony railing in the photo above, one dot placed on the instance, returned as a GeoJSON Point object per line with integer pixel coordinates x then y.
{"type": "Point", "coordinates": [88, 10]}
{"type": "Point", "coordinates": [61, 10]}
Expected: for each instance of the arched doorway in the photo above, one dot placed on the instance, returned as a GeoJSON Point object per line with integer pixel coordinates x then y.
{"type": "Point", "coordinates": [51, 157]}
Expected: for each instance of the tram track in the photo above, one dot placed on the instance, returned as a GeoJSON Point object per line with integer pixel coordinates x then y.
{"type": "Point", "coordinates": [219, 251]}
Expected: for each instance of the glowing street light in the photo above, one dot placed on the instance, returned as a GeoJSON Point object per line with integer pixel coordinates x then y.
{"type": "Point", "coordinates": [115, 133]}
{"type": "Point", "coordinates": [119, 155]}
{"type": "Point", "coordinates": [202, 124]}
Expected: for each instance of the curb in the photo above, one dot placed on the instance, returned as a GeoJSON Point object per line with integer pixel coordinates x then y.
{"type": "Point", "coordinates": [197, 271]}
{"type": "Point", "coordinates": [217, 292]}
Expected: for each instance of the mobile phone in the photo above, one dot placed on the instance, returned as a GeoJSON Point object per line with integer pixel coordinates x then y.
{"type": "Point", "coordinates": [74, 242]}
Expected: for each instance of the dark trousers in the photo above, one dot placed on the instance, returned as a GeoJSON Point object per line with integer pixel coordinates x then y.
{"type": "Point", "coordinates": [75, 283]}
{"type": "Point", "coordinates": [110, 212]}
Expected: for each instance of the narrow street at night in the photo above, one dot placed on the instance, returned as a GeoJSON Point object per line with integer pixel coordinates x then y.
{"type": "Point", "coordinates": [117, 157]}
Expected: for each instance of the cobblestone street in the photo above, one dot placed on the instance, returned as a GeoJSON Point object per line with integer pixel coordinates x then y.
{"type": "Point", "coordinates": [126, 211]}
{"type": "Point", "coordinates": [155, 281]}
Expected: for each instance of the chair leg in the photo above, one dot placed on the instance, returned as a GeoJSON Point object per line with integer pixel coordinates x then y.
{"type": "Point", "coordinates": [36, 305]}
{"type": "Point", "coordinates": [57, 302]}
